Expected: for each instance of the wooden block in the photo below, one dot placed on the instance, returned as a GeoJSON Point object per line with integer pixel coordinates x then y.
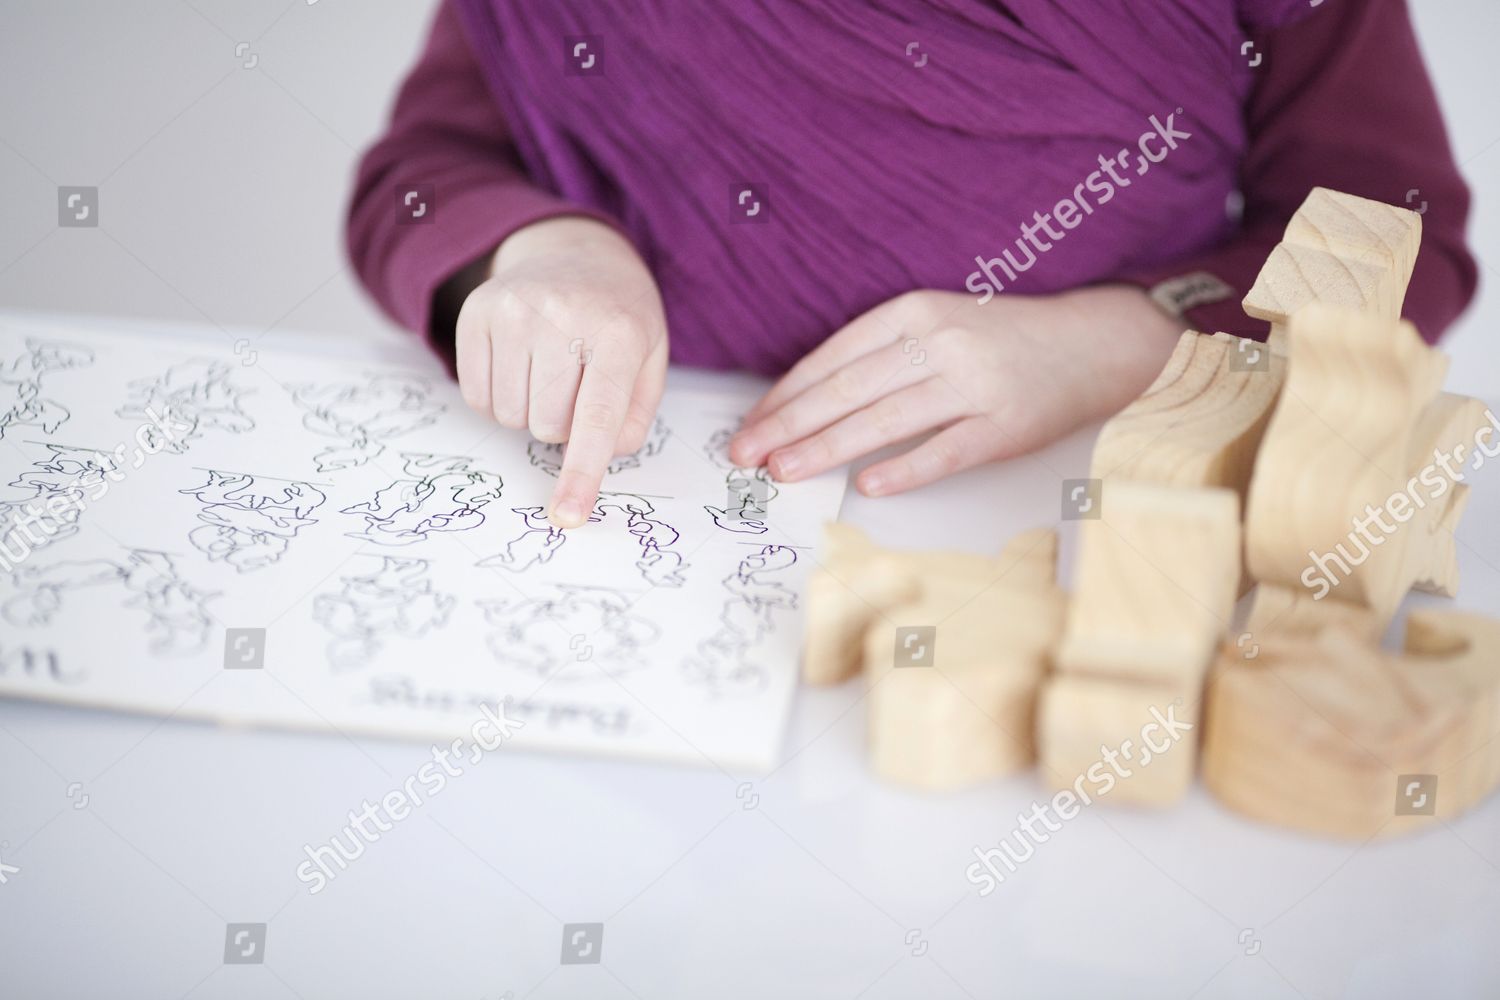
{"type": "Point", "coordinates": [1347, 452]}
{"type": "Point", "coordinates": [1154, 591]}
{"type": "Point", "coordinates": [1327, 733]}
{"type": "Point", "coordinates": [955, 705]}
{"type": "Point", "coordinates": [1339, 250]}
{"type": "Point", "coordinates": [857, 582]}
{"type": "Point", "coordinates": [1292, 611]}
{"type": "Point", "coordinates": [1201, 422]}
{"type": "Point", "coordinates": [1136, 743]}
{"type": "Point", "coordinates": [851, 586]}
{"type": "Point", "coordinates": [1359, 229]}
{"type": "Point", "coordinates": [1155, 584]}
{"type": "Point", "coordinates": [1449, 423]}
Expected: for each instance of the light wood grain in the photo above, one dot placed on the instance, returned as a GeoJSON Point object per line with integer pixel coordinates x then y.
{"type": "Point", "coordinates": [969, 715]}
{"type": "Point", "coordinates": [1315, 732]}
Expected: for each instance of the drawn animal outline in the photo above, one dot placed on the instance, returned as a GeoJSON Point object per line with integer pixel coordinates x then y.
{"type": "Point", "coordinates": [397, 599]}
{"type": "Point", "coordinates": [748, 492]}
{"type": "Point", "coordinates": [545, 635]}
{"type": "Point", "coordinates": [756, 596]}
{"type": "Point", "coordinates": [246, 526]}
{"type": "Point", "coordinates": [365, 416]}
{"type": "Point", "coordinates": [200, 394]}
{"type": "Point", "coordinates": [549, 456]}
{"type": "Point", "coordinates": [539, 540]}
{"type": "Point", "coordinates": [442, 493]}
{"type": "Point", "coordinates": [21, 399]}
{"type": "Point", "coordinates": [68, 474]}
{"type": "Point", "coordinates": [177, 612]}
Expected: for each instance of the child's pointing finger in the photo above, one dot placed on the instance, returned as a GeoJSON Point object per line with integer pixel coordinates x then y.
{"type": "Point", "coordinates": [598, 416]}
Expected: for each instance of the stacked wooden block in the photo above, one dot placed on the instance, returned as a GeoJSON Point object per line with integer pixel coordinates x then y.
{"type": "Point", "coordinates": [954, 643]}
{"type": "Point", "coordinates": [1240, 465]}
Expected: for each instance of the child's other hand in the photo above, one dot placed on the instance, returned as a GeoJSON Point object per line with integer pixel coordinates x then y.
{"type": "Point", "coordinates": [567, 338]}
{"type": "Point", "coordinates": [994, 380]}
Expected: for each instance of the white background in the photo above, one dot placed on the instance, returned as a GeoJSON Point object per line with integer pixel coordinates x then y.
{"type": "Point", "coordinates": [205, 168]}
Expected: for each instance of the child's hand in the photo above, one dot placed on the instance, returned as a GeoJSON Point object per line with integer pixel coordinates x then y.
{"type": "Point", "coordinates": [995, 380]}
{"type": "Point", "coordinates": [567, 338]}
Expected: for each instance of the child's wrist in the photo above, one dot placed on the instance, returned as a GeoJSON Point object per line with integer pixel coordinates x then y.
{"type": "Point", "coordinates": [558, 234]}
{"type": "Point", "coordinates": [1134, 335]}
{"type": "Point", "coordinates": [1128, 310]}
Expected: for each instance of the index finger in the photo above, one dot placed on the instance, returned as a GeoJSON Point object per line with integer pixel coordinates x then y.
{"type": "Point", "coordinates": [867, 332]}
{"type": "Point", "coordinates": [598, 415]}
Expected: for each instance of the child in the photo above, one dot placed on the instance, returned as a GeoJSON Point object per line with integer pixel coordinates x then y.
{"type": "Point", "coordinates": [981, 221]}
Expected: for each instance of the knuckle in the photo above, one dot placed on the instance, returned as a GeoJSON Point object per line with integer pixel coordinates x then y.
{"type": "Point", "coordinates": [628, 446]}
{"type": "Point", "coordinates": [821, 448]}
{"type": "Point", "coordinates": [509, 414]}
{"type": "Point", "coordinates": [943, 457]}
{"type": "Point", "coordinates": [888, 419]}
{"type": "Point", "coordinates": [917, 307]}
{"type": "Point", "coordinates": [474, 396]}
{"type": "Point", "coordinates": [508, 305]}
{"type": "Point", "coordinates": [950, 341]}
{"type": "Point", "coordinates": [844, 384]}
{"type": "Point", "coordinates": [632, 438]}
{"type": "Point", "coordinates": [596, 417]}
{"type": "Point", "coordinates": [548, 433]}
{"type": "Point", "coordinates": [780, 426]}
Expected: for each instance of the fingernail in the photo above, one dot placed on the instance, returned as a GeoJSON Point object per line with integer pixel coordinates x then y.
{"type": "Point", "coordinates": [784, 465]}
{"type": "Point", "coordinates": [566, 514]}
{"type": "Point", "coordinates": [739, 448]}
{"type": "Point", "coordinates": [872, 486]}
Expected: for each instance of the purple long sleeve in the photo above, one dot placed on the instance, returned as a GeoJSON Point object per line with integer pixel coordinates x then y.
{"type": "Point", "coordinates": [448, 149]}
{"type": "Point", "coordinates": [783, 167]}
{"type": "Point", "coordinates": [1344, 102]}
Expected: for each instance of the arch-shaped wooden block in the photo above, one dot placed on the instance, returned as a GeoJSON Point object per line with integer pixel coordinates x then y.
{"type": "Point", "coordinates": [857, 582]}
{"type": "Point", "coordinates": [963, 711]}
{"type": "Point", "coordinates": [1326, 733]}
{"type": "Point", "coordinates": [1339, 250]}
{"type": "Point", "coordinates": [1347, 502]}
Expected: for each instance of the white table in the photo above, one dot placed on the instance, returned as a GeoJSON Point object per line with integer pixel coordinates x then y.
{"type": "Point", "coordinates": [138, 841]}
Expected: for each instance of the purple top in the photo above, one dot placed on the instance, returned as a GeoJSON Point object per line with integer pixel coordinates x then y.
{"type": "Point", "coordinates": [784, 167]}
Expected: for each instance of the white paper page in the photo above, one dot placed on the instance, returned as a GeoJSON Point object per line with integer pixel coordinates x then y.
{"type": "Point", "coordinates": [393, 546]}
